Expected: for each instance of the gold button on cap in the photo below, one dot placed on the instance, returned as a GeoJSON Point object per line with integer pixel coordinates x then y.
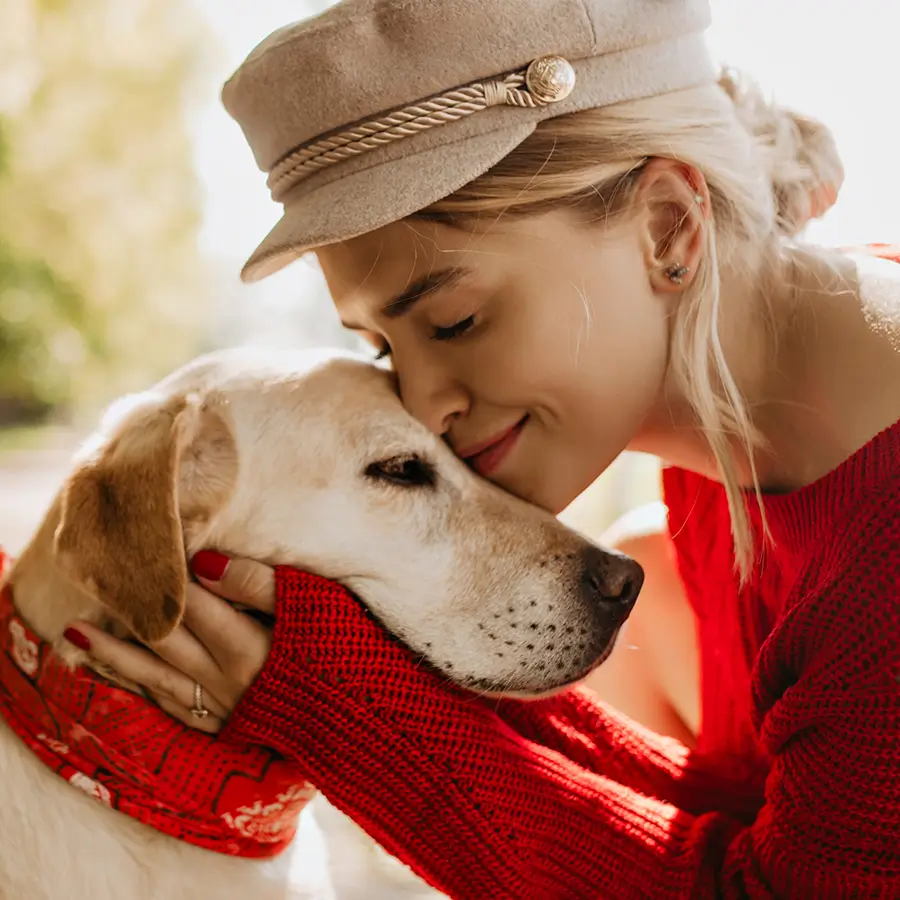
{"type": "Point", "coordinates": [550, 79]}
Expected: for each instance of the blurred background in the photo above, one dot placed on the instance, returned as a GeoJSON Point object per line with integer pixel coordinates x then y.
{"type": "Point", "coordinates": [128, 201]}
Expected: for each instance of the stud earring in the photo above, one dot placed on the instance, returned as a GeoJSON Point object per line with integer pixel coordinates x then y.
{"type": "Point", "coordinates": [676, 273]}
{"type": "Point", "coordinates": [698, 198]}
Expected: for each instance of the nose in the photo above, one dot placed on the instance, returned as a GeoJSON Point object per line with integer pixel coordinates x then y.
{"type": "Point", "coordinates": [432, 396]}
{"type": "Point", "coordinates": [611, 583]}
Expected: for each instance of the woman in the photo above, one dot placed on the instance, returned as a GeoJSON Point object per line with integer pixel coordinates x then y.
{"type": "Point", "coordinates": [552, 220]}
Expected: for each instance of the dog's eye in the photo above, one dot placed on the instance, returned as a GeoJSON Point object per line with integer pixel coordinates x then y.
{"type": "Point", "coordinates": [409, 471]}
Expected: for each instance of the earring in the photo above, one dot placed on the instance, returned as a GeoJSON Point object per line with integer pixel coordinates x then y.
{"type": "Point", "coordinates": [676, 273]}
{"type": "Point", "coordinates": [698, 198]}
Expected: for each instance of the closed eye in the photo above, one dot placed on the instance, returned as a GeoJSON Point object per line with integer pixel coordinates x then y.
{"type": "Point", "coordinates": [453, 331]}
{"type": "Point", "coordinates": [438, 333]}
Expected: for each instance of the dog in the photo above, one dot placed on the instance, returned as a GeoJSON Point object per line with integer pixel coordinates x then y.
{"type": "Point", "coordinates": [302, 458]}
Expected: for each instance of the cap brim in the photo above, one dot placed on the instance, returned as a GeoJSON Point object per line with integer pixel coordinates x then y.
{"type": "Point", "coordinates": [365, 200]}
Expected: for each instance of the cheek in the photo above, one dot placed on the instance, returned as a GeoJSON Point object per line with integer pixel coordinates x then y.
{"type": "Point", "coordinates": [611, 396]}
{"type": "Point", "coordinates": [530, 350]}
{"type": "Point", "coordinates": [601, 352]}
{"type": "Point", "coordinates": [624, 348]}
{"type": "Point", "coordinates": [592, 395]}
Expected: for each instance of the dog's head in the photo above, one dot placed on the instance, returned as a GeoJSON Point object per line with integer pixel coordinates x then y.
{"type": "Point", "coordinates": [312, 461]}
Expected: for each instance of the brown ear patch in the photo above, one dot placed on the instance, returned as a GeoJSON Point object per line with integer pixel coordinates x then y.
{"type": "Point", "coordinates": [120, 536]}
{"type": "Point", "coordinates": [207, 466]}
{"type": "Point", "coordinates": [171, 607]}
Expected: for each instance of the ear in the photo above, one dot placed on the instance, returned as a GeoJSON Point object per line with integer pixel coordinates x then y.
{"type": "Point", "coordinates": [676, 203]}
{"type": "Point", "coordinates": [120, 536]}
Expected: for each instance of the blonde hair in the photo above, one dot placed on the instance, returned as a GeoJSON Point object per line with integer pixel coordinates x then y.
{"type": "Point", "coordinates": [762, 164]}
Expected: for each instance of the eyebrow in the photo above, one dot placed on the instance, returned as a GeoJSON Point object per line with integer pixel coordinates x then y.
{"type": "Point", "coordinates": [419, 289]}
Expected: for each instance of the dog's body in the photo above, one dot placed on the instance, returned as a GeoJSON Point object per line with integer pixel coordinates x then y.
{"type": "Point", "coordinates": [308, 460]}
{"type": "Point", "coordinates": [60, 844]}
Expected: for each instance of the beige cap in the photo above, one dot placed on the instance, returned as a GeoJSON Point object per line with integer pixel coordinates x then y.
{"type": "Point", "coordinates": [376, 109]}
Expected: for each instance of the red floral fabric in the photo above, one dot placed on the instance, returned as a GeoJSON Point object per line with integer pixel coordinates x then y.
{"type": "Point", "coordinates": [125, 752]}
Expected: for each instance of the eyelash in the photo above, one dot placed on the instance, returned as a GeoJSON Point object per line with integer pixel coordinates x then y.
{"type": "Point", "coordinates": [453, 331]}
{"type": "Point", "coordinates": [438, 334]}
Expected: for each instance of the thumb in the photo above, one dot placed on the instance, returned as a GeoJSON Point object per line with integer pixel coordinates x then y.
{"type": "Point", "coordinates": [242, 581]}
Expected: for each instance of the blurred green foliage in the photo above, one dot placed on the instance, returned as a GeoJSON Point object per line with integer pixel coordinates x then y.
{"type": "Point", "coordinates": [101, 284]}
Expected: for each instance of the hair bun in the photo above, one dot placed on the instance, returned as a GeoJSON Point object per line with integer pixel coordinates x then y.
{"type": "Point", "coordinates": [800, 153]}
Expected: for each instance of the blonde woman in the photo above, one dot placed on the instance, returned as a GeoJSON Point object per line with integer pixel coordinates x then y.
{"type": "Point", "coordinates": [573, 237]}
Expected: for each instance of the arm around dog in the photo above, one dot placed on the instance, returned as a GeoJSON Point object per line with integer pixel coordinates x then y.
{"type": "Point", "coordinates": [619, 811]}
{"type": "Point", "coordinates": [561, 798]}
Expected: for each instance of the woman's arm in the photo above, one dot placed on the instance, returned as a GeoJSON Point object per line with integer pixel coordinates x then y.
{"type": "Point", "coordinates": [477, 809]}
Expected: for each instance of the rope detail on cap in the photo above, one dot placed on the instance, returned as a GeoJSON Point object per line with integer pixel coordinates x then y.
{"type": "Point", "coordinates": [545, 81]}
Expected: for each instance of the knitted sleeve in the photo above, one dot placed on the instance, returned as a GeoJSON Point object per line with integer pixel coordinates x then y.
{"type": "Point", "coordinates": [562, 799]}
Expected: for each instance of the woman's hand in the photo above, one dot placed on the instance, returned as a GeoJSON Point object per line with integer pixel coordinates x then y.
{"type": "Point", "coordinates": [216, 646]}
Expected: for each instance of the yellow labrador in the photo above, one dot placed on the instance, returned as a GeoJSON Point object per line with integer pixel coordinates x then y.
{"type": "Point", "coordinates": [294, 458]}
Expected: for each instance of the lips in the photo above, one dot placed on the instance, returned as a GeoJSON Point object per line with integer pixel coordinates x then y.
{"type": "Point", "coordinates": [487, 456]}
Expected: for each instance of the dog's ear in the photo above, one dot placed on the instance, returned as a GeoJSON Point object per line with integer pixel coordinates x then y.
{"type": "Point", "coordinates": [120, 536]}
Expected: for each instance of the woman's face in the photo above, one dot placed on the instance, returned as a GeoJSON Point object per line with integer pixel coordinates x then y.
{"type": "Point", "coordinates": [536, 347]}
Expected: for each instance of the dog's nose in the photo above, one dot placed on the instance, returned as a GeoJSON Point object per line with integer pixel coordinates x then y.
{"type": "Point", "coordinates": [612, 582]}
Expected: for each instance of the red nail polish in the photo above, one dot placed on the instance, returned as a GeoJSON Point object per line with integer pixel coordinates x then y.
{"type": "Point", "coordinates": [209, 565]}
{"type": "Point", "coordinates": [77, 638]}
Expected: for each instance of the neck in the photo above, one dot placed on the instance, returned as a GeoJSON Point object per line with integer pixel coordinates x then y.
{"type": "Point", "coordinates": [761, 335]}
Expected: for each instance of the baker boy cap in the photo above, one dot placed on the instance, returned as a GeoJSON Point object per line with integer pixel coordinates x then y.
{"type": "Point", "coordinates": [375, 109]}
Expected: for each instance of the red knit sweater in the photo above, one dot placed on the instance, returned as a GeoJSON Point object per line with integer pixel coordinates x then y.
{"type": "Point", "coordinates": [793, 791]}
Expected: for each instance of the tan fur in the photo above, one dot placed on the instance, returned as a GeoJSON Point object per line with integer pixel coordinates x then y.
{"type": "Point", "coordinates": [119, 536]}
{"type": "Point", "coordinates": [267, 457]}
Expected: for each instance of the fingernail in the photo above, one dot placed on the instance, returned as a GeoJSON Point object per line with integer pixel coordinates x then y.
{"type": "Point", "coordinates": [209, 565]}
{"type": "Point", "coordinates": [77, 638]}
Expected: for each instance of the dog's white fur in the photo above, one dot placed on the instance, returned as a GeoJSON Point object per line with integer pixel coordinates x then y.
{"type": "Point", "coordinates": [291, 459]}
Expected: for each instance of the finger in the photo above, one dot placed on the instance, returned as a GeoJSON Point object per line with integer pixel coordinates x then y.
{"type": "Point", "coordinates": [184, 696]}
{"type": "Point", "coordinates": [135, 663]}
{"type": "Point", "coordinates": [211, 724]}
{"type": "Point", "coordinates": [240, 580]}
{"type": "Point", "coordinates": [228, 635]}
{"type": "Point", "coordinates": [186, 652]}
{"type": "Point", "coordinates": [139, 665]}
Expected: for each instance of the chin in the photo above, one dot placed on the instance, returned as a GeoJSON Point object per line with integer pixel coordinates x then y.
{"type": "Point", "coordinates": [544, 485]}
{"type": "Point", "coordinates": [556, 501]}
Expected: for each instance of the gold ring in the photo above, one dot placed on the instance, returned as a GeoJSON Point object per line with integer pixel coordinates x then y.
{"type": "Point", "coordinates": [199, 711]}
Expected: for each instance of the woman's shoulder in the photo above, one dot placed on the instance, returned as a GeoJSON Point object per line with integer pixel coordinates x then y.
{"type": "Point", "coordinates": [879, 288]}
{"type": "Point", "coordinates": [876, 274]}
{"type": "Point", "coordinates": [846, 331]}
{"type": "Point", "coordinates": [890, 252]}
{"type": "Point", "coordinates": [878, 277]}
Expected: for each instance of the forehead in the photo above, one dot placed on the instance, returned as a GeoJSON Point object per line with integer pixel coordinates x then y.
{"type": "Point", "coordinates": [373, 269]}
{"type": "Point", "coordinates": [385, 261]}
